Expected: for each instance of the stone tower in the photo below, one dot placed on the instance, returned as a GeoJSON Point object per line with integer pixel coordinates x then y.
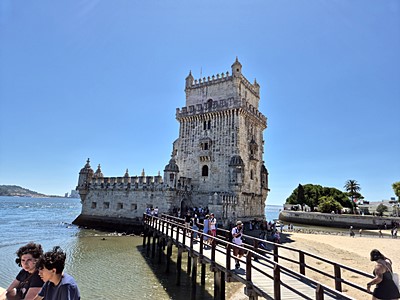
{"type": "Point", "coordinates": [220, 145]}
{"type": "Point", "coordinates": [217, 161]}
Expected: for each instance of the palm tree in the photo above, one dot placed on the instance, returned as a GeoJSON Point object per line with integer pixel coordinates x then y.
{"type": "Point", "coordinates": [352, 188]}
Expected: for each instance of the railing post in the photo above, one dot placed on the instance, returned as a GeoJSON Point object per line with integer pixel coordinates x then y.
{"type": "Point", "coordinates": [213, 244]}
{"type": "Point", "coordinates": [203, 274]}
{"type": "Point", "coordinates": [158, 224]}
{"type": "Point", "coordinates": [148, 242]}
{"type": "Point", "coordinates": [169, 254]}
{"type": "Point", "coordinates": [179, 266]}
{"type": "Point", "coordinates": [160, 241]}
{"type": "Point", "coordinates": [319, 292]}
{"type": "Point", "coordinates": [219, 285]}
{"type": "Point", "coordinates": [189, 261]}
{"type": "Point", "coordinates": [184, 236]}
{"type": "Point", "coordinates": [248, 266]}
{"type": "Point", "coordinates": [338, 278]}
{"type": "Point", "coordinates": [153, 246]}
{"type": "Point", "coordinates": [228, 256]}
{"type": "Point", "coordinates": [255, 246]}
{"type": "Point", "coordinates": [201, 244]}
{"type": "Point", "coordinates": [302, 263]}
{"type": "Point", "coordinates": [277, 282]}
{"type": "Point", "coordinates": [191, 239]}
{"type": "Point", "coordinates": [194, 279]}
{"type": "Point", "coordinates": [144, 236]}
{"type": "Point", "coordinates": [276, 253]}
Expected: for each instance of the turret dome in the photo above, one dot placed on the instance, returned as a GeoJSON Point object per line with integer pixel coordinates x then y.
{"type": "Point", "coordinates": [87, 169]}
{"type": "Point", "coordinates": [236, 160]}
{"type": "Point", "coordinates": [172, 166]}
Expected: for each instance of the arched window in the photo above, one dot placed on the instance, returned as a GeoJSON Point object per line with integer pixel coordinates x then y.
{"type": "Point", "coordinates": [209, 103]}
{"type": "Point", "coordinates": [204, 171]}
{"type": "Point", "coordinates": [251, 175]}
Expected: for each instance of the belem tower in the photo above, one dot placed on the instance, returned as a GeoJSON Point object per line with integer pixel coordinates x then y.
{"type": "Point", "coordinates": [216, 162]}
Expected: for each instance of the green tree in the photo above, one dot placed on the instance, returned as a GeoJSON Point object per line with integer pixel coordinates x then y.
{"type": "Point", "coordinates": [329, 204]}
{"type": "Point", "coordinates": [381, 209]}
{"type": "Point", "coordinates": [300, 194]}
{"type": "Point", "coordinates": [352, 187]}
{"type": "Point", "coordinates": [313, 193]}
{"type": "Point", "coordinates": [396, 189]}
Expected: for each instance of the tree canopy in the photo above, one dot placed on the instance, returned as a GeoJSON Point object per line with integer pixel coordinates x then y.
{"type": "Point", "coordinates": [328, 204]}
{"type": "Point", "coordinates": [396, 189]}
{"type": "Point", "coordinates": [353, 187]}
{"type": "Point", "coordinates": [312, 195]}
{"type": "Point", "coordinates": [381, 209]}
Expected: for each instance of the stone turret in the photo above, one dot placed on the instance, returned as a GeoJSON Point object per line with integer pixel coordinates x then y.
{"type": "Point", "coordinates": [189, 80]}
{"type": "Point", "coordinates": [98, 173]}
{"type": "Point", "coordinates": [236, 68]}
{"type": "Point", "coordinates": [127, 178]}
{"type": "Point", "coordinates": [236, 166]}
{"type": "Point", "coordinates": [85, 176]}
{"type": "Point", "coordinates": [171, 173]}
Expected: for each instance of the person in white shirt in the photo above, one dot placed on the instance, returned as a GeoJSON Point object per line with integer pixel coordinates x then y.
{"type": "Point", "coordinates": [237, 233]}
{"type": "Point", "coordinates": [213, 227]}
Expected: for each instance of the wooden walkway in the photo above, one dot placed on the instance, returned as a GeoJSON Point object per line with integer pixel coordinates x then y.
{"type": "Point", "coordinates": [260, 272]}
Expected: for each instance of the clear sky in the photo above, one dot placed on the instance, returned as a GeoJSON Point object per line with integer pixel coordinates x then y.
{"type": "Point", "coordinates": [102, 80]}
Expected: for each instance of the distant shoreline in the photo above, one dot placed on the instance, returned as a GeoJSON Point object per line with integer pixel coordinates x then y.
{"type": "Point", "coordinates": [18, 191]}
{"type": "Point", "coordinates": [35, 196]}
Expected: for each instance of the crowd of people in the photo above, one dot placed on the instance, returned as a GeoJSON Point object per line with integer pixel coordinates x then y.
{"type": "Point", "coordinates": [42, 276]}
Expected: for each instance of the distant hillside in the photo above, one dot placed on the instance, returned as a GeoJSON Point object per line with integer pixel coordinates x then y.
{"type": "Point", "coordinates": [14, 190]}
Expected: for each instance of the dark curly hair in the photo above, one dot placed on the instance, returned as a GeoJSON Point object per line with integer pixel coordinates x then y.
{"type": "Point", "coordinates": [54, 259]}
{"type": "Point", "coordinates": [31, 248]}
{"type": "Point", "coordinates": [376, 254]}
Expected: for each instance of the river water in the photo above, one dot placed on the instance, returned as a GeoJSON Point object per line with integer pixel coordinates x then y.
{"type": "Point", "coordinates": [106, 266]}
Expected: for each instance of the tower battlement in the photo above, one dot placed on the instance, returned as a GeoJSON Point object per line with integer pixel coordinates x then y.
{"type": "Point", "coordinates": [218, 106]}
{"type": "Point", "coordinates": [123, 183]}
{"type": "Point", "coordinates": [221, 78]}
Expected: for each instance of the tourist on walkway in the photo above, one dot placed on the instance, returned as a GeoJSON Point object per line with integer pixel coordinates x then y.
{"type": "Point", "coordinates": [195, 226]}
{"type": "Point", "coordinates": [385, 286]}
{"type": "Point", "coordinates": [27, 284]}
{"type": "Point", "coordinates": [187, 222]}
{"type": "Point", "coordinates": [237, 233]}
{"type": "Point", "coordinates": [213, 227]}
{"type": "Point", "coordinates": [58, 284]}
{"type": "Point", "coordinates": [206, 230]}
{"type": "Point", "coordinates": [276, 237]}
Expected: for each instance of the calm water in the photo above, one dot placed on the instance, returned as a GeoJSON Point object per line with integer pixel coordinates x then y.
{"type": "Point", "coordinates": [104, 265]}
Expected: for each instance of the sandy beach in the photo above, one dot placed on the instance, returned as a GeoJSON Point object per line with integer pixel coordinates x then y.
{"type": "Point", "coordinates": [343, 249]}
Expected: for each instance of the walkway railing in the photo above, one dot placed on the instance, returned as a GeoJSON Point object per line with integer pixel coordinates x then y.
{"type": "Point", "coordinates": [259, 265]}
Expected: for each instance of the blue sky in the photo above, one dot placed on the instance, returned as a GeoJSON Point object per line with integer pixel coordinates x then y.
{"type": "Point", "coordinates": [102, 79]}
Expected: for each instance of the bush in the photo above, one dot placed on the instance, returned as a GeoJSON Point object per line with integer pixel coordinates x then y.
{"type": "Point", "coordinates": [329, 204]}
